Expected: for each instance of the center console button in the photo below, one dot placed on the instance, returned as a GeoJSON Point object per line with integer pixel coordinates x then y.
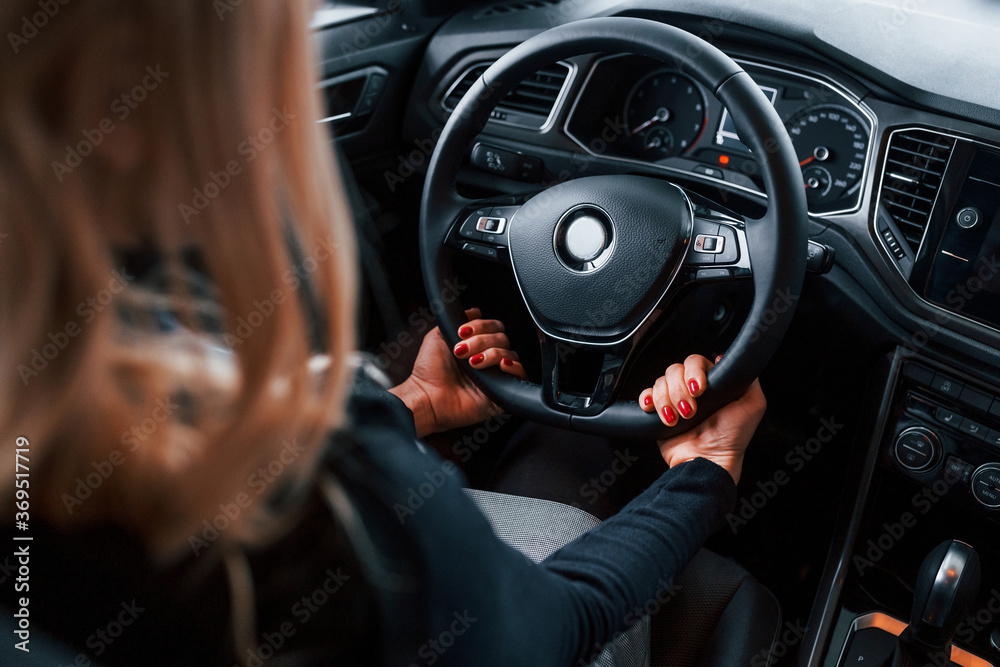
{"type": "Point", "coordinates": [916, 448]}
{"type": "Point", "coordinates": [985, 485]}
{"type": "Point", "coordinates": [972, 428]}
{"type": "Point", "coordinates": [946, 416]}
{"type": "Point", "coordinates": [947, 385]}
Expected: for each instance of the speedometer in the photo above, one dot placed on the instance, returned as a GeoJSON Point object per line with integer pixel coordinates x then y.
{"type": "Point", "coordinates": [665, 115]}
{"type": "Point", "coordinates": [831, 143]}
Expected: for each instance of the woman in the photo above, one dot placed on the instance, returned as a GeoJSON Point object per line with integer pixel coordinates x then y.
{"type": "Point", "coordinates": [174, 252]}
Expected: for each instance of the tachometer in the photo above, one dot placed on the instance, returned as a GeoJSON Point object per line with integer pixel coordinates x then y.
{"type": "Point", "coordinates": [831, 143]}
{"type": "Point", "coordinates": [665, 114]}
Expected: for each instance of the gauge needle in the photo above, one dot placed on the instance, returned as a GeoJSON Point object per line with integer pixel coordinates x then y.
{"type": "Point", "coordinates": [807, 160]}
{"type": "Point", "coordinates": [662, 114]}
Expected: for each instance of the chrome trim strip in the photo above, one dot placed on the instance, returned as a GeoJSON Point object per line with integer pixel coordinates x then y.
{"type": "Point", "coordinates": [338, 14]}
{"type": "Point", "coordinates": [556, 105]}
{"type": "Point", "coordinates": [848, 96]}
{"type": "Point", "coordinates": [895, 627]}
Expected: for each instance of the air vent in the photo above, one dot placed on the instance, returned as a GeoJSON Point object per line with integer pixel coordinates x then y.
{"type": "Point", "coordinates": [500, 10]}
{"type": "Point", "coordinates": [529, 104]}
{"type": "Point", "coordinates": [914, 166]}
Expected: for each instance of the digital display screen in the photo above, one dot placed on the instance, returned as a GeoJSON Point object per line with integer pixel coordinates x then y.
{"type": "Point", "coordinates": [726, 136]}
{"type": "Point", "coordinates": [965, 270]}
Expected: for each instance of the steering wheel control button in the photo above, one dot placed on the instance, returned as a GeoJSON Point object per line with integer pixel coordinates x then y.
{"type": "Point", "coordinates": [709, 244]}
{"type": "Point", "coordinates": [985, 485]}
{"type": "Point", "coordinates": [491, 225]}
{"type": "Point", "coordinates": [947, 385]}
{"type": "Point", "coordinates": [968, 217]}
{"type": "Point", "coordinates": [729, 252]}
{"type": "Point", "coordinates": [712, 274]}
{"type": "Point", "coordinates": [468, 229]}
{"type": "Point", "coordinates": [480, 250]}
{"type": "Point", "coordinates": [584, 238]}
{"type": "Point", "coordinates": [916, 448]}
{"type": "Point", "coordinates": [975, 429]}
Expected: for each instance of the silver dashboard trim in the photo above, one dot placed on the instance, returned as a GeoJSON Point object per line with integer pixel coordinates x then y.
{"type": "Point", "coordinates": [556, 106]}
{"type": "Point", "coordinates": [848, 96]}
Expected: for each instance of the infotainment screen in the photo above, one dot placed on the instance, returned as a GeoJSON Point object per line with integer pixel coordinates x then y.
{"type": "Point", "coordinates": [965, 272]}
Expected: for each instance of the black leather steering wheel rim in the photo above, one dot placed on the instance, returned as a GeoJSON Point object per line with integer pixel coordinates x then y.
{"type": "Point", "coordinates": [779, 238]}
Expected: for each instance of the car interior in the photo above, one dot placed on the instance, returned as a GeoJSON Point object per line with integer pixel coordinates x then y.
{"type": "Point", "coordinates": [870, 496]}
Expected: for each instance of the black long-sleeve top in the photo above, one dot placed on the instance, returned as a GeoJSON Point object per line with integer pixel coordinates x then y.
{"type": "Point", "coordinates": [417, 578]}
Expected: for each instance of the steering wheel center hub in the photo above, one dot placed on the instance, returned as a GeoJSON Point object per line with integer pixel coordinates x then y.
{"type": "Point", "coordinates": [584, 238]}
{"type": "Point", "coordinates": [595, 255]}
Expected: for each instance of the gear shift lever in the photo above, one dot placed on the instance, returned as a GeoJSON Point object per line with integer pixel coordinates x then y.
{"type": "Point", "coordinates": [947, 584]}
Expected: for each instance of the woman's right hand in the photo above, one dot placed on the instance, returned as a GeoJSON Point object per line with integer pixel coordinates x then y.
{"type": "Point", "coordinates": [723, 437]}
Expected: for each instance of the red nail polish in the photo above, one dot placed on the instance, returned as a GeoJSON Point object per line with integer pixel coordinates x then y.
{"type": "Point", "coordinates": [693, 385]}
{"type": "Point", "coordinates": [718, 359]}
{"type": "Point", "coordinates": [461, 349]}
{"type": "Point", "coordinates": [465, 332]}
{"type": "Point", "coordinates": [507, 362]}
{"type": "Point", "coordinates": [668, 414]}
{"type": "Point", "coordinates": [478, 359]}
{"type": "Point", "coordinates": [648, 400]}
{"type": "Point", "coordinates": [684, 408]}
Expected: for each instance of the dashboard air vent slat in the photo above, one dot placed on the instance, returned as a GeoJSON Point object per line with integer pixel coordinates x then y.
{"type": "Point", "coordinates": [532, 100]}
{"type": "Point", "coordinates": [499, 10]}
{"type": "Point", "coordinates": [915, 164]}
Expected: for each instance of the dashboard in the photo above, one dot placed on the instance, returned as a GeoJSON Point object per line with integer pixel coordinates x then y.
{"type": "Point", "coordinates": [882, 174]}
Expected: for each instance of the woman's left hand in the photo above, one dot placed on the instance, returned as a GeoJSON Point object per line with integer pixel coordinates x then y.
{"type": "Point", "coordinates": [438, 393]}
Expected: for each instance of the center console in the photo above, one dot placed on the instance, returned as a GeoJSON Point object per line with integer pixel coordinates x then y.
{"type": "Point", "coordinates": [930, 477]}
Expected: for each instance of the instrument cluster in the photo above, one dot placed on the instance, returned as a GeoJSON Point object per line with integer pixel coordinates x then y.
{"type": "Point", "coordinates": [635, 109]}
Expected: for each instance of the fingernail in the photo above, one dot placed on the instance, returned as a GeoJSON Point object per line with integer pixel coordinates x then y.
{"type": "Point", "coordinates": [478, 359]}
{"type": "Point", "coordinates": [648, 400]}
{"type": "Point", "coordinates": [684, 408]}
{"type": "Point", "coordinates": [465, 332]}
{"type": "Point", "coordinates": [718, 358]}
{"type": "Point", "coordinates": [506, 362]}
{"type": "Point", "coordinates": [693, 385]}
{"type": "Point", "coordinates": [668, 414]}
{"type": "Point", "coordinates": [461, 349]}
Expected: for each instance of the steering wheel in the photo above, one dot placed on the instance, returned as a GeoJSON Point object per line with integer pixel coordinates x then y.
{"type": "Point", "coordinates": [596, 259]}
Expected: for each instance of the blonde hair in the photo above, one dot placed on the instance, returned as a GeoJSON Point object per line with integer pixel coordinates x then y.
{"type": "Point", "coordinates": [174, 125]}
